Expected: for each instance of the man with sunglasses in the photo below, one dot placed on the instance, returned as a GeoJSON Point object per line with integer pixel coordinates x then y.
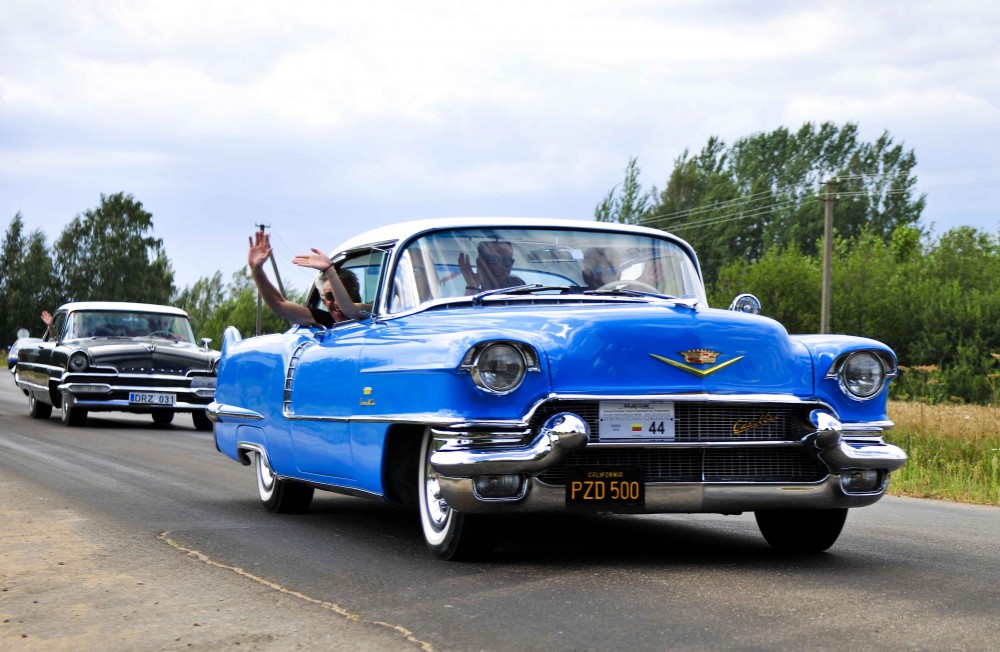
{"type": "Point", "coordinates": [496, 259]}
{"type": "Point", "coordinates": [339, 291]}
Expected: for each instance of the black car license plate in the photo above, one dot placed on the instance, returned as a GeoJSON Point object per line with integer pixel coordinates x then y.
{"type": "Point", "coordinates": [609, 489]}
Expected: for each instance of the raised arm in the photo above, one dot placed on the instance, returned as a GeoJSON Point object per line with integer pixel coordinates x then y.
{"type": "Point", "coordinates": [318, 260]}
{"type": "Point", "coordinates": [260, 251]}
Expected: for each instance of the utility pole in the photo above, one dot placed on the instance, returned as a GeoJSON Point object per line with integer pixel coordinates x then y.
{"type": "Point", "coordinates": [824, 313]}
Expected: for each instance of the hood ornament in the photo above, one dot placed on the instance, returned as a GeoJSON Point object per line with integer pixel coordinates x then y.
{"type": "Point", "coordinates": [699, 357]}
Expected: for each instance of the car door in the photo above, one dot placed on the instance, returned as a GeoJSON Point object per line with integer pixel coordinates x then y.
{"type": "Point", "coordinates": [323, 381]}
{"type": "Point", "coordinates": [320, 396]}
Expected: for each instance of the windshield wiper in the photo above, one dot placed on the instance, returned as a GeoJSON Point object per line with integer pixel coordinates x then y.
{"type": "Point", "coordinates": [529, 288]}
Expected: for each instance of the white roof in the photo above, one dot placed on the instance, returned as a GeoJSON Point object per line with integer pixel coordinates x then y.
{"type": "Point", "coordinates": [123, 306]}
{"type": "Point", "coordinates": [405, 230]}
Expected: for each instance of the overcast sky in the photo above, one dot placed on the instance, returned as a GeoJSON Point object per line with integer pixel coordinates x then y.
{"type": "Point", "coordinates": [323, 119]}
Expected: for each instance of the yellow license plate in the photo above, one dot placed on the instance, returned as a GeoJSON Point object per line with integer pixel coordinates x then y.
{"type": "Point", "coordinates": [609, 489]}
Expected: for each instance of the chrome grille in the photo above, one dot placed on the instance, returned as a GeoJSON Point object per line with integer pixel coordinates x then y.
{"type": "Point", "coordinates": [782, 464]}
{"type": "Point", "coordinates": [694, 422]}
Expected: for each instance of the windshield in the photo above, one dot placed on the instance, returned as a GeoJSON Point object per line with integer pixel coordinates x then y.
{"type": "Point", "coordinates": [107, 323]}
{"type": "Point", "coordinates": [463, 262]}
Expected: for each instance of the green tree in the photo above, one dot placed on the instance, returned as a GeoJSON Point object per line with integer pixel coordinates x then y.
{"type": "Point", "coordinates": [27, 282]}
{"type": "Point", "coordinates": [627, 203]}
{"type": "Point", "coordinates": [736, 203]}
{"type": "Point", "coordinates": [933, 301]}
{"type": "Point", "coordinates": [786, 281]}
{"type": "Point", "coordinates": [108, 254]}
{"type": "Point", "coordinates": [213, 307]}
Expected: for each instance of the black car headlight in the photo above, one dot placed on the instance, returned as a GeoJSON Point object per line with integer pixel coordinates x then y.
{"type": "Point", "coordinates": [862, 374]}
{"type": "Point", "coordinates": [500, 367]}
{"type": "Point", "coordinates": [78, 361]}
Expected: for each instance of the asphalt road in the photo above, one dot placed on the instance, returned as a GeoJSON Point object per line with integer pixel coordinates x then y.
{"type": "Point", "coordinates": [905, 574]}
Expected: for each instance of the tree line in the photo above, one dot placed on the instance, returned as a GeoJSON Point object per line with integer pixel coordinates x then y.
{"type": "Point", "coordinates": [752, 210]}
{"type": "Point", "coordinates": [109, 254]}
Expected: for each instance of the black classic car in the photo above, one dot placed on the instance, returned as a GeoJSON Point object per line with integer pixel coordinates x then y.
{"type": "Point", "coordinates": [105, 356]}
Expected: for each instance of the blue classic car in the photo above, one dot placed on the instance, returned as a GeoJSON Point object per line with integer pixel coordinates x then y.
{"type": "Point", "coordinates": [110, 356]}
{"type": "Point", "coordinates": [520, 365]}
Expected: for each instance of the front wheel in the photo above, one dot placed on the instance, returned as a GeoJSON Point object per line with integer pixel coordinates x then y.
{"type": "Point", "coordinates": [37, 409]}
{"type": "Point", "coordinates": [201, 421]}
{"type": "Point", "coordinates": [801, 530]}
{"type": "Point", "coordinates": [163, 417]}
{"type": "Point", "coordinates": [449, 534]}
{"type": "Point", "coordinates": [72, 416]}
{"type": "Point", "coordinates": [280, 496]}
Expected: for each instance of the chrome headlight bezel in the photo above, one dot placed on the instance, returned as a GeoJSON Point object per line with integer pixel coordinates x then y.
{"type": "Point", "coordinates": [482, 360]}
{"type": "Point", "coordinates": [78, 361]}
{"type": "Point", "coordinates": [863, 374]}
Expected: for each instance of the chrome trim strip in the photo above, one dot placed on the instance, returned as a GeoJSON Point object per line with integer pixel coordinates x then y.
{"type": "Point", "coordinates": [220, 413]}
{"type": "Point", "coordinates": [71, 387]}
{"type": "Point", "coordinates": [28, 384]}
{"type": "Point", "coordinates": [461, 423]}
{"type": "Point", "coordinates": [293, 361]}
{"type": "Point", "coordinates": [867, 426]}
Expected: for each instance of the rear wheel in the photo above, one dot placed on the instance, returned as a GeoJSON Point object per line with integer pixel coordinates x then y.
{"type": "Point", "coordinates": [201, 421]}
{"type": "Point", "coordinates": [37, 409]}
{"type": "Point", "coordinates": [163, 417]}
{"type": "Point", "coordinates": [801, 530]}
{"type": "Point", "coordinates": [280, 496]}
{"type": "Point", "coordinates": [449, 534]}
{"type": "Point", "coordinates": [72, 416]}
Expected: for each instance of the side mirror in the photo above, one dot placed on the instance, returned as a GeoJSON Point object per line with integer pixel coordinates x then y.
{"type": "Point", "coordinates": [746, 303]}
{"type": "Point", "coordinates": [205, 341]}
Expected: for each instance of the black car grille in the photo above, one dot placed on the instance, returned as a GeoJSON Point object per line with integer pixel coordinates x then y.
{"type": "Point", "coordinates": [146, 368]}
{"type": "Point", "coordinates": [770, 464]}
{"type": "Point", "coordinates": [698, 422]}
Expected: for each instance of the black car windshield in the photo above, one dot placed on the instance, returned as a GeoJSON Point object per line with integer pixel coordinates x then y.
{"type": "Point", "coordinates": [463, 262]}
{"type": "Point", "coordinates": [111, 323]}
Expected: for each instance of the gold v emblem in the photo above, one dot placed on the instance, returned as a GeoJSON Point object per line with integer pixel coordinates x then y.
{"type": "Point", "coordinates": [700, 373]}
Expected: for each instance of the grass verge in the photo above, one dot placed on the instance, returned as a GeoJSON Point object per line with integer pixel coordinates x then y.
{"type": "Point", "coordinates": [954, 452]}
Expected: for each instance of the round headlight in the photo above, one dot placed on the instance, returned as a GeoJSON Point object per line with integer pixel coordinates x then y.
{"type": "Point", "coordinates": [78, 361]}
{"type": "Point", "coordinates": [500, 368]}
{"type": "Point", "coordinates": [862, 375]}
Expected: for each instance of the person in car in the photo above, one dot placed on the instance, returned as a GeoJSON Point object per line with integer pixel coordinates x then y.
{"type": "Point", "coordinates": [493, 267]}
{"type": "Point", "coordinates": [339, 290]}
{"type": "Point", "coordinates": [600, 267]}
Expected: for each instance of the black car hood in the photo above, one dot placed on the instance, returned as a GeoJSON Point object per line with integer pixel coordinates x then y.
{"type": "Point", "coordinates": [145, 355]}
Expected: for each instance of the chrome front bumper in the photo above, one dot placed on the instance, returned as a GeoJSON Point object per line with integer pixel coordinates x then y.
{"type": "Point", "coordinates": [187, 398]}
{"type": "Point", "coordinates": [458, 459]}
{"type": "Point", "coordinates": [687, 497]}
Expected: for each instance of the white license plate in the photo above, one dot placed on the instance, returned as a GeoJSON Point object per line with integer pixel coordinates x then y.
{"type": "Point", "coordinates": [644, 420]}
{"type": "Point", "coordinates": [152, 398]}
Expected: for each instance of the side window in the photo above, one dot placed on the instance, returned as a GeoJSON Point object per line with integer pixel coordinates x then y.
{"type": "Point", "coordinates": [58, 324]}
{"type": "Point", "coordinates": [367, 269]}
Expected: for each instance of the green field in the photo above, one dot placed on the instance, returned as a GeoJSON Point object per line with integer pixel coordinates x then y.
{"type": "Point", "coordinates": [954, 452]}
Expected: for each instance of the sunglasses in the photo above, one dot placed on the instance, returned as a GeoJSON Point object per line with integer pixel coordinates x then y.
{"type": "Point", "coordinates": [328, 296]}
{"type": "Point", "coordinates": [493, 259]}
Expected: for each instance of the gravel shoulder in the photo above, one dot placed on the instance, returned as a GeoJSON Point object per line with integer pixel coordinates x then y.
{"type": "Point", "coordinates": [70, 582]}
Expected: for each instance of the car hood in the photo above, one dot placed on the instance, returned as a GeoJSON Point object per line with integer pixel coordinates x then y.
{"type": "Point", "coordinates": [652, 348]}
{"type": "Point", "coordinates": [148, 355]}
